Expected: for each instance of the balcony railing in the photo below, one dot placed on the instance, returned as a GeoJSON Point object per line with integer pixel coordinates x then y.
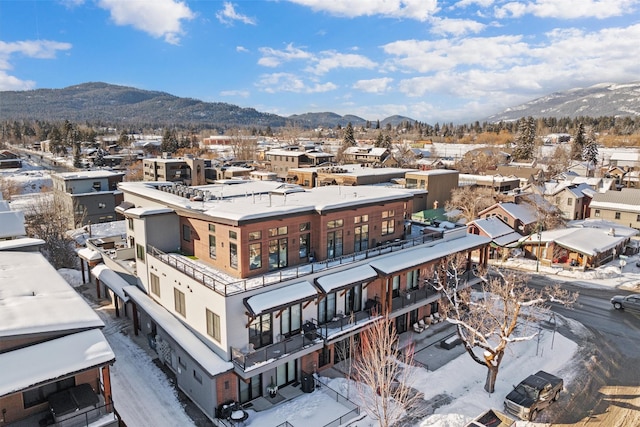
{"type": "Point", "coordinates": [248, 358]}
{"type": "Point", "coordinates": [224, 286]}
{"type": "Point", "coordinates": [342, 323]}
{"type": "Point", "coordinates": [414, 296]}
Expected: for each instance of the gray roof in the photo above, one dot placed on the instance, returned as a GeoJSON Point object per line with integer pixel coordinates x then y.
{"type": "Point", "coordinates": [625, 199]}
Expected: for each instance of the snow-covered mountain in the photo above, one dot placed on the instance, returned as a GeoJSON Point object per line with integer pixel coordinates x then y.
{"type": "Point", "coordinates": [604, 99]}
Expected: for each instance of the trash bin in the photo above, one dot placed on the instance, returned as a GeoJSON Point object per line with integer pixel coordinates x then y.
{"type": "Point", "coordinates": [308, 383]}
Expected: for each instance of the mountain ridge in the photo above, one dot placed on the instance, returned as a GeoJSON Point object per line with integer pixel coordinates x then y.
{"type": "Point", "coordinates": [599, 100]}
{"type": "Point", "coordinates": [105, 102]}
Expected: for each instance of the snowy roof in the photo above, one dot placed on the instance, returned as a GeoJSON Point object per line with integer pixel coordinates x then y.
{"type": "Point", "coordinates": [627, 199]}
{"type": "Point", "coordinates": [493, 227]}
{"type": "Point", "coordinates": [30, 304]}
{"type": "Point", "coordinates": [21, 242]}
{"type": "Point", "coordinates": [147, 211]}
{"type": "Point", "coordinates": [11, 224]}
{"type": "Point", "coordinates": [243, 205]}
{"type": "Point", "coordinates": [210, 362]}
{"type": "Point", "coordinates": [38, 363]}
{"type": "Point", "coordinates": [4, 205]}
{"type": "Point", "coordinates": [342, 279]}
{"type": "Point", "coordinates": [111, 280]}
{"type": "Point", "coordinates": [102, 173]}
{"type": "Point", "coordinates": [89, 254]}
{"type": "Point", "coordinates": [522, 212]}
{"type": "Point", "coordinates": [632, 156]}
{"type": "Point", "coordinates": [590, 241]}
{"type": "Point", "coordinates": [281, 297]}
{"type": "Point", "coordinates": [618, 229]}
{"type": "Point", "coordinates": [421, 255]}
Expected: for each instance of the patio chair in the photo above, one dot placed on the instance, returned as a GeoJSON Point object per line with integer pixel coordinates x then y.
{"type": "Point", "coordinates": [417, 328]}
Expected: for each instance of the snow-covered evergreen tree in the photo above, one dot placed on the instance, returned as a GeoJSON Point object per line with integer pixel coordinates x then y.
{"type": "Point", "coordinates": [590, 149]}
{"type": "Point", "coordinates": [525, 139]}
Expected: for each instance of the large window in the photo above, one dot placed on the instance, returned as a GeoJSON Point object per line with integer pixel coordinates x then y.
{"type": "Point", "coordinates": [327, 308]}
{"type": "Point", "coordinates": [334, 244]}
{"type": "Point", "coordinates": [278, 253]}
{"type": "Point", "coordinates": [361, 238]}
{"type": "Point", "coordinates": [305, 242]}
{"type": "Point", "coordinates": [353, 299]}
{"type": "Point", "coordinates": [233, 255]}
{"type": "Point", "coordinates": [140, 252]}
{"type": "Point", "coordinates": [388, 222]}
{"type": "Point", "coordinates": [260, 331]}
{"type": "Point", "coordinates": [155, 284]}
{"type": "Point", "coordinates": [395, 288]}
{"type": "Point", "coordinates": [186, 233]}
{"type": "Point", "coordinates": [255, 256]}
{"type": "Point", "coordinates": [213, 325]}
{"type": "Point", "coordinates": [212, 246]}
{"type": "Point", "coordinates": [291, 320]}
{"type": "Point", "coordinates": [413, 279]}
{"type": "Point", "coordinates": [278, 231]}
{"type": "Point", "coordinates": [180, 306]}
{"type": "Point", "coordinates": [335, 223]}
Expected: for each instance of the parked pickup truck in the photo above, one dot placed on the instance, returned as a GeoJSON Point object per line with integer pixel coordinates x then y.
{"type": "Point", "coordinates": [533, 394]}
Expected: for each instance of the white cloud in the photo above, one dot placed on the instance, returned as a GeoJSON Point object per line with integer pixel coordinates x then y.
{"type": "Point", "coordinates": [567, 9]}
{"type": "Point", "coordinates": [287, 82]}
{"type": "Point", "coordinates": [228, 16]}
{"type": "Point", "coordinates": [373, 85]}
{"type": "Point", "coordinates": [8, 82]}
{"type": "Point", "coordinates": [329, 60]}
{"type": "Point", "coordinates": [419, 10]}
{"type": "Point", "coordinates": [456, 27]}
{"type": "Point", "coordinates": [39, 49]}
{"type": "Point", "coordinates": [273, 57]}
{"type": "Point", "coordinates": [241, 49]}
{"type": "Point", "coordinates": [481, 3]}
{"type": "Point", "coordinates": [70, 4]}
{"type": "Point", "coordinates": [159, 18]}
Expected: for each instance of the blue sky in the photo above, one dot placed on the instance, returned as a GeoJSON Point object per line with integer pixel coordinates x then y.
{"type": "Point", "coordinates": [433, 61]}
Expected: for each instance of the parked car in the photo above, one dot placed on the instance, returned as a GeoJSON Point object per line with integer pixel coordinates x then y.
{"type": "Point", "coordinates": [622, 302]}
{"type": "Point", "coordinates": [533, 394]}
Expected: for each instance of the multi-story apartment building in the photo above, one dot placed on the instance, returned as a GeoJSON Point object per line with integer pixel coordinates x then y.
{"type": "Point", "coordinates": [54, 360]}
{"type": "Point", "coordinates": [187, 170]}
{"type": "Point", "coordinates": [88, 197]}
{"type": "Point", "coordinates": [264, 284]}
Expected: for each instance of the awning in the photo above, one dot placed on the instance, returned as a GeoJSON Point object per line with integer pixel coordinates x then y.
{"type": "Point", "coordinates": [346, 278]}
{"type": "Point", "coordinates": [280, 298]}
{"type": "Point", "coordinates": [111, 280]}
{"type": "Point", "coordinates": [38, 363]}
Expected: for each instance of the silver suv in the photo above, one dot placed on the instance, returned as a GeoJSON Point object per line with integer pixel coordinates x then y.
{"type": "Point", "coordinates": [630, 301]}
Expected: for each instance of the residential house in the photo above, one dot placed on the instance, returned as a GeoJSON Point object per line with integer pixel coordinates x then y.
{"type": "Point", "coordinates": [585, 169]}
{"type": "Point", "coordinates": [496, 183]}
{"type": "Point", "coordinates": [259, 290]}
{"type": "Point", "coordinates": [627, 160]}
{"type": "Point", "coordinates": [526, 174]}
{"type": "Point", "coordinates": [282, 160]}
{"type": "Point", "coordinates": [9, 160]}
{"type": "Point", "coordinates": [583, 244]}
{"type": "Point", "coordinates": [88, 197]}
{"type": "Point", "coordinates": [520, 217]}
{"type": "Point", "coordinates": [500, 233]}
{"type": "Point", "coordinates": [13, 235]}
{"type": "Point", "coordinates": [621, 207]}
{"type": "Point", "coordinates": [55, 361]}
{"type": "Point", "coordinates": [572, 199]}
{"type": "Point", "coordinates": [368, 155]}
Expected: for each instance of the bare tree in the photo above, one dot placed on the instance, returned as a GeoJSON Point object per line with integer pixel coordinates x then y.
{"type": "Point", "coordinates": [469, 201]}
{"type": "Point", "coordinates": [503, 312]}
{"type": "Point", "coordinates": [46, 219]}
{"type": "Point", "coordinates": [549, 215]}
{"type": "Point", "coordinates": [383, 374]}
